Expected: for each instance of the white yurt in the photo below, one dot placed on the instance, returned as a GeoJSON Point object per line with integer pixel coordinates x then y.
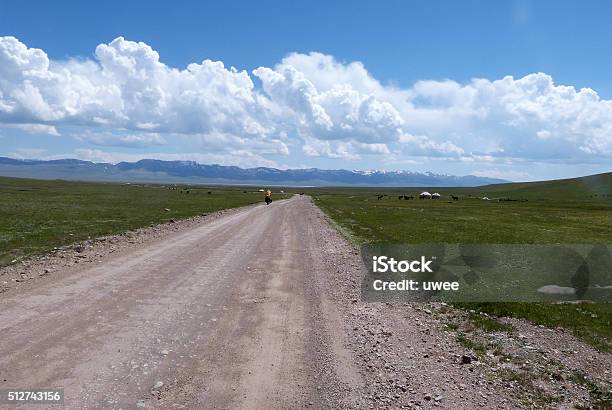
{"type": "Point", "coordinates": [424, 194]}
{"type": "Point", "coordinates": [435, 195]}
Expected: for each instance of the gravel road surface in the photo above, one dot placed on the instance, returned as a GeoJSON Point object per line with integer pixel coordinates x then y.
{"type": "Point", "coordinates": [256, 307]}
{"type": "Point", "coordinates": [226, 314]}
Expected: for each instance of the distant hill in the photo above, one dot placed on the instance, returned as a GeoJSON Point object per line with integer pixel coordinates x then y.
{"type": "Point", "coordinates": [152, 170]}
{"type": "Point", "coordinates": [593, 186]}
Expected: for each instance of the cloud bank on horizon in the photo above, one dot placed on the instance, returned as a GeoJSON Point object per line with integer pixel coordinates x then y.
{"type": "Point", "coordinates": [126, 97]}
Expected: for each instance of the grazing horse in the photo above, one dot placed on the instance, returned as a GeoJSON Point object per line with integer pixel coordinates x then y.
{"type": "Point", "coordinates": [379, 197]}
{"type": "Point", "coordinates": [455, 198]}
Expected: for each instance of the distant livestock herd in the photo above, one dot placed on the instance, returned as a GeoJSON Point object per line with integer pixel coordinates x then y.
{"type": "Point", "coordinates": [422, 195]}
{"type": "Point", "coordinates": [435, 195]}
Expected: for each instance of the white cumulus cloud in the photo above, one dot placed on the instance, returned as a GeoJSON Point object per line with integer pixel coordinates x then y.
{"type": "Point", "coordinates": [130, 140]}
{"type": "Point", "coordinates": [126, 96]}
{"type": "Point", "coordinates": [341, 112]}
{"type": "Point", "coordinates": [529, 117]}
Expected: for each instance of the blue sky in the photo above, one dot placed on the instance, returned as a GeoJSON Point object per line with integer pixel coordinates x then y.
{"type": "Point", "coordinates": [358, 85]}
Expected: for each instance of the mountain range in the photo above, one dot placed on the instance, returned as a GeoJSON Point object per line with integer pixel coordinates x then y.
{"type": "Point", "coordinates": [153, 170]}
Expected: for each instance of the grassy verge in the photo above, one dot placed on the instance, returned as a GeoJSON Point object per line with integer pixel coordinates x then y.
{"type": "Point", "coordinates": [36, 216]}
{"type": "Point", "coordinates": [548, 213]}
{"type": "Point", "coordinates": [602, 398]}
{"type": "Point", "coordinates": [589, 322]}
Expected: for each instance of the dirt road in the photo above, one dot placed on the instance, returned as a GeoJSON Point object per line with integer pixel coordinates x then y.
{"type": "Point", "coordinates": [259, 308]}
{"type": "Point", "coordinates": [228, 314]}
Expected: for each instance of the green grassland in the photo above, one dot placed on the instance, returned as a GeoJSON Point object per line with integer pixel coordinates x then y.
{"type": "Point", "coordinates": [36, 216]}
{"type": "Point", "coordinates": [574, 211]}
{"type": "Point", "coordinates": [546, 213]}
